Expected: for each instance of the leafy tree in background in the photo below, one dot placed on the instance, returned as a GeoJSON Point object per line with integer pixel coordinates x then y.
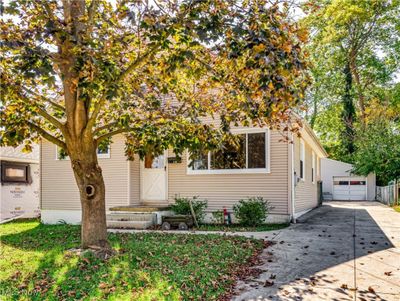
{"type": "Point", "coordinates": [79, 72]}
{"type": "Point", "coordinates": [355, 53]}
{"type": "Point", "coordinates": [378, 147]}
{"type": "Point", "coordinates": [378, 151]}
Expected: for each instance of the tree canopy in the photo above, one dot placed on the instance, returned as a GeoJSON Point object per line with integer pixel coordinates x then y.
{"type": "Point", "coordinates": [149, 70]}
{"type": "Point", "coordinates": [78, 72]}
{"type": "Point", "coordinates": [355, 52]}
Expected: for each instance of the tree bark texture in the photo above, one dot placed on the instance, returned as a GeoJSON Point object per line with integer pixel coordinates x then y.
{"type": "Point", "coordinates": [89, 178]}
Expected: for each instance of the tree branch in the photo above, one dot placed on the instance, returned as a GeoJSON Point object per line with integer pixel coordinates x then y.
{"type": "Point", "coordinates": [46, 135]}
{"type": "Point", "coordinates": [110, 134]}
{"type": "Point", "coordinates": [136, 62]}
{"type": "Point", "coordinates": [58, 106]}
{"type": "Point", "coordinates": [54, 121]}
{"type": "Point", "coordinates": [104, 127]}
{"type": "Point", "coordinates": [131, 67]}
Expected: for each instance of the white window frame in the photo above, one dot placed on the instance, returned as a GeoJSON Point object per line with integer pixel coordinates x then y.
{"type": "Point", "coordinates": [302, 158]}
{"type": "Point", "coordinates": [314, 174]}
{"type": "Point", "coordinates": [99, 156]}
{"type": "Point", "coordinates": [210, 171]}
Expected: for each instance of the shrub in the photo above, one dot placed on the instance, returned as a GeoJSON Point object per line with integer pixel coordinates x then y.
{"type": "Point", "coordinates": [218, 217]}
{"type": "Point", "coordinates": [182, 206]}
{"type": "Point", "coordinates": [252, 211]}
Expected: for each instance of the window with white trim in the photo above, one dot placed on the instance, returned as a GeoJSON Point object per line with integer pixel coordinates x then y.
{"type": "Point", "coordinates": [248, 153]}
{"type": "Point", "coordinates": [313, 168]}
{"type": "Point", "coordinates": [302, 159]}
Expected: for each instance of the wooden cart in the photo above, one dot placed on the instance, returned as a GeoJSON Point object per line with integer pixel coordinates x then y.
{"type": "Point", "coordinates": [182, 222]}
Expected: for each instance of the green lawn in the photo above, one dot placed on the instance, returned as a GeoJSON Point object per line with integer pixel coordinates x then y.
{"type": "Point", "coordinates": [35, 264]}
{"type": "Point", "coordinates": [240, 228]}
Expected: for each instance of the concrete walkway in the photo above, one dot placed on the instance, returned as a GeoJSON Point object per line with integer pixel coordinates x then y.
{"type": "Point", "coordinates": [341, 251]}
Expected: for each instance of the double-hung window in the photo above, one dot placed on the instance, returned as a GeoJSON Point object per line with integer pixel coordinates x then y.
{"type": "Point", "coordinates": [248, 153]}
{"type": "Point", "coordinates": [302, 159]}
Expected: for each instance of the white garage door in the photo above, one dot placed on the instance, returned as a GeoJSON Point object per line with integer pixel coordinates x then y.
{"type": "Point", "coordinates": [349, 188]}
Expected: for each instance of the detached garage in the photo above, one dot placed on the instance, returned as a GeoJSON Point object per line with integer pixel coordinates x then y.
{"type": "Point", "coordinates": [338, 183]}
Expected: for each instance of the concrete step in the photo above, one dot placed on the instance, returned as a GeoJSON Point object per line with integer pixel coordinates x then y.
{"type": "Point", "coordinates": [131, 216]}
{"type": "Point", "coordinates": [129, 224]}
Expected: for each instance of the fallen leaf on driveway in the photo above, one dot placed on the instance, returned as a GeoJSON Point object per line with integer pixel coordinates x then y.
{"type": "Point", "coordinates": [333, 253]}
{"type": "Point", "coordinates": [388, 273]}
{"type": "Point", "coordinates": [268, 283]}
{"type": "Point", "coordinates": [273, 276]}
{"type": "Point", "coordinates": [344, 286]}
{"type": "Point", "coordinates": [371, 290]}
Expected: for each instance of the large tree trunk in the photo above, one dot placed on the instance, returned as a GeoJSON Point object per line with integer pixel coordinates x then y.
{"type": "Point", "coordinates": [91, 186]}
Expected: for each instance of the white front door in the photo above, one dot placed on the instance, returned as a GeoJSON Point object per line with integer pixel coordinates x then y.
{"type": "Point", "coordinates": [154, 180]}
{"type": "Point", "coordinates": [349, 188]}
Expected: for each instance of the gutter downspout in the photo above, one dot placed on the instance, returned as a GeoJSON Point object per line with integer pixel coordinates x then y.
{"type": "Point", "coordinates": [293, 182]}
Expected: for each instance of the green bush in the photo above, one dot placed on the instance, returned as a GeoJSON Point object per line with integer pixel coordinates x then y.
{"type": "Point", "coordinates": [218, 217]}
{"type": "Point", "coordinates": [182, 206]}
{"type": "Point", "coordinates": [252, 211]}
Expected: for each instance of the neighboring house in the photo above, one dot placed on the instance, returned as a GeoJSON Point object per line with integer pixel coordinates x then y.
{"type": "Point", "coordinates": [285, 174]}
{"type": "Point", "coordinates": [339, 183]}
{"type": "Point", "coordinates": [20, 183]}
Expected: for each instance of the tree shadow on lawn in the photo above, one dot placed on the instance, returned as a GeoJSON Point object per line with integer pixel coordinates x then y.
{"type": "Point", "coordinates": [146, 266]}
{"type": "Point", "coordinates": [304, 252]}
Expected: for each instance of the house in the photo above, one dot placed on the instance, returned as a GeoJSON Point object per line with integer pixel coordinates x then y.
{"type": "Point", "coordinates": [20, 183]}
{"type": "Point", "coordinates": [339, 183]}
{"type": "Point", "coordinates": [285, 174]}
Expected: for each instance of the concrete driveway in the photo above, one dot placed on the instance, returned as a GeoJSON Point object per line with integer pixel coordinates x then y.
{"type": "Point", "coordinates": [340, 251]}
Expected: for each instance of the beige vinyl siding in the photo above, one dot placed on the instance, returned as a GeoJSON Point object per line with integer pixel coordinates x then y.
{"type": "Point", "coordinates": [224, 190]}
{"type": "Point", "coordinates": [305, 190]}
{"type": "Point", "coordinates": [134, 180]}
{"type": "Point", "coordinates": [59, 190]}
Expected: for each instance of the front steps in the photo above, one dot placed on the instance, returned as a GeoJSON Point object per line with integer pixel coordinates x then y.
{"type": "Point", "coordinates": [131, 220]}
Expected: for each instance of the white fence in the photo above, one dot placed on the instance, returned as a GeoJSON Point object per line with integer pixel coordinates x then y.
{"type": "Point", "coordinates": [389, 195]}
